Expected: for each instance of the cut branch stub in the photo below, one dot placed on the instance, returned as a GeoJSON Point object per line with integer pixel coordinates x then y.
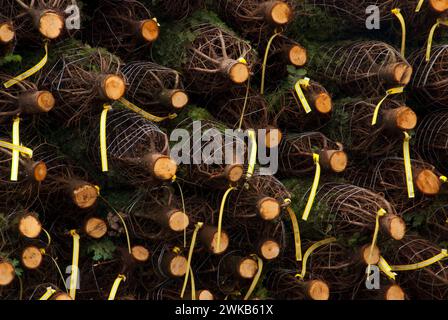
{"type": "Point", "coordinates": [317, 290]}
{"type": "Point", "coordinates": [237, 71]}
{"type": "Point", "coordinates": [427, 182]}
{"type": "Point", "coordinates": [402, 118]}
{"type": "Point", "coordinates": [394, 292]}
{"type": "Point", "coordinates": [277, 13]}
{"type": "Point", "coordinates": [233, 172]}
{"type": "Point", "coordinates": [296, 55]}
{"type": "Point", "coordinates": [61, 296]}
{"type": "Point", "coordinates": [7, 273]}
{"type": "Point", "coordinates": [246, 268]}
{"type": "Point", "coordinates": [269, 249]}
{"type": "Point", "coordinates": [140, 254]}
{"type": "Point", "coordinates": [176, 99]}
{"type": "Point", "coordinates": [7, 33]}
{"type": "Point", "coordinates": [268, 208]}
{"type": "Point", "coordinates": [161, 166]}
{"type": "Point", "coordinates": [174, 265]}
{"type": "Point", "coordinates": [50, 23]}
{"type": "Point", "coordinates": [29, 226]}
{"type": "Point", "coordinates": [148, 30]}
{"type": "Point", "coordinates": [83, 194]}
{"type": "Point", "coordinates": [209, 238]}
{"type": "Point", "coordinates": [394, 225]}
{"type": "Point", "coordinates": [112, 87]}
{"type": "Point", "coordinates": [174, 219]}
{"type": "Point", "coordinates": [36, 102]}
{"type": "Point", "coordinates": [95, 228]}
{"type": "Point", "coordinates": [39, 171]}
{"type": "Point", "coordinates": [273, 137]}
{"type": "Point", "coordinates": [396, 73]}
{"type": "Point", "coordinates": [31, 257]}
{"type": "Point", "coordinates": [335, 160]}
{"type": "Point", "coordinates": [370, 258]}
{"type": "Point", "coordinates": [439, 5]}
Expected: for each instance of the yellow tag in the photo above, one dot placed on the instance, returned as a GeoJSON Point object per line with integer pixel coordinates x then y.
{"type": "Point", "coordinates": [29, 72]}
{"type": "Point", "coordinates": [15, 153]}
{"type": "Point", "coordinates": [145, 114]}
{"type": "Point", "coordinates": [397, 13]}
{"type": "Point", "coordinates": [253, 154]}
{"type": "Point", "coordinates": [190, 255]}
{"type": "Point", "coordinates": [265, 60]}
{"type": "Point", "coordinates": [388, 93]}
{"type": "Point", "coordinates": [423, 264]}
{"type": "Point", "coordinates": [74, 266]}
{"type": "Point", "coordinates": [242, 60]}
{"type": "Point", "coordinates": [408, 166]}
{"type": "Point", "coordinates": [103, 140]}
{"type": "Point", "coordinates": [298, 87]}
{"type": "Point", "coordinates": [23, 150]}
{"type": "Point", "coordinates": [386, 268]}
{"type": "Point", "coordinates": [439, 22]}
{"type": "Point", "coordinates": [310, 251]}
{"type": "Point", "coordinates": [155, 19]}
{"type": "Point", "coordinates": [443, 179]}
{"type": "Point", "coordinates": [256, 278]}
{"type": "Point", "coordinates": [419, 5]}
{"type": "Point", "coordinates": [221, 212]}
{"type": "Point", "coordinates": [115, 286]}
{"type": "Point", "coordinates": [381, 212]}
{"type": "Point", "coordinates": [310, 201]}
{"type": "Point", "coordinates": [295, 226]}
{"type": "Point", "coordinates": [50, 291]}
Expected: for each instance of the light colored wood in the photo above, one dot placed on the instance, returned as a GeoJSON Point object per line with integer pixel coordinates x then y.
{"type": "Point", "coordinates": [234, 172]}
{"type": "Point", "coordinates": [45, 100]}
{"type": "Point", "coordinates": [273, 137]}
{"type": "Point", "coordinates": [270, 249]}
{"type": "Point", "coordinates": [7, 273]}
{"type": "Point", "coordinates": [365, 253]}
{"type": "Point", "coordinates": [297, 55]}
{"type": "Point", "coordinates": [84, 196]}
{"type": "Point", "coordinates": [163, 167]}
{"type": "Point", "coordinates": [140, 253]}
{"type": "Point", "coordinates": [323, 103]}
{"type": "Point", "coordinates": [318, 290]}
{"type": "Point", "coordinates": [31, 257]}
{"type": "Point", "coordinates": [7, 32]}
{"type": "Point", "coordinates": [239, 73]}
{"type": "Point", "coordinates": [32, 102]}
{"type": "Point", "coordinates": [338, 161]}
{"type": "Point", "coordinates": [178, 221]}
{"type": "Point", "coordinates": [51, 24]}
{"type": "Point", "coordinates": [204, 295]}
{"type": "Point", "coordinates": [178, 266]}
{"type": "Point", "coordinates": [61, 296]}
{"type": "Point", "coordinates": [402, 118]}
{"type": "Point", "coordinates": [30, 226]}
{"type": "Point", "coordinates": [179, 99]}
{"type": "Point", "coordinates": [394, 225]}
{"type": "Point", "coordinates": [113, 87]}
{"type": "Point", "coordinates": [149, 30]}
{"type": "Point", "coordinates": [268, 208]}
{"type": "Point", "coordinates": [278, 13]}
{"type": "Point", "coordinates": [439, 5]}
{"type": "Point", "coordinates": [224, 244]}
{"type": "Point", "coordinates": [95, 228]}
{"type": "Point", "coordinates": [247, 268]}
{"type": "Point", "coordinates": [39, 171]}
{"type": "Point", "coordinates": [428, 183]}
{"type": "Point", "coordinates": [394, 292]}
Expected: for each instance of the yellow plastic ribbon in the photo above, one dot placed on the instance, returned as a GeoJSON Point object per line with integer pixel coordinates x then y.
{"type": "Point", "coordinates": [145, 114]}
{"type": "Point", "coordinates": [310, 251]}
{"type": "Point", "coordinates": [310, 201]}
{"type": "Point", "coordinates": [386, 268]}
{"type": "Point", "coordinates": [388, 93]}
{"type": "Point", "coordinates": [408, 166]}
{"type": "Point", "coordinates": [298, 87]}
{"type": "Point", "coordinates": [397, 13]}
{"type": "Point", "coordinates": [253, 154]}
{"type": "Point", "coordinates": [103, 138]}
{"type": "Point", "coordinates": [190, 255]}
{"type": "Point", "coordinates": [443, 22]}
{"type": "Point", "coordinates": [419, 5]}
{"type": "Point", "coordinates": [242, 60]}
{"type": "Point", "coordinates": [380, 213]}
{"type": "Point", "coordinates": [423, 264]}
{"type": "Point", "coordinates": [115, 286]}
{"type": "Point", "coordinates": [256, 278]}
{"type": "Point", "coordinates": [265, 60]}
{"type": "Point", "coordinates": [75, 260]}
{"type": "Point", "coordinates": [443, 179]}
{"type": "Point", "coordinates": [21, 149]}
{"type": "Point", "coordinates": [295, 226]}
{"type": "Point", "coordinates": [47, 295]}
{"type": "Point", "coordinates": [221, 213]}
{"type": "Point", "coordinates": [29, 72]}
{"type": "Point", "coordinates": [15, 153]}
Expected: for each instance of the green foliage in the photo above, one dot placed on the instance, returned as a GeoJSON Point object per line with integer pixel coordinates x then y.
{"type": "Point", "coordinates": [102, 250]}
{"type": "Point", "coordinates": [17, 269]}
{"type": "Point", "coordinates": [10, 58]}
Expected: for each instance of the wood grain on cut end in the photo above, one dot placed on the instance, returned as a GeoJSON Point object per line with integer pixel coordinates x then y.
{"type": "Point", "coordinates": [179, 99]}
{"type": "Point", "coordinates": [30, 226]}
{"type": "Point", "coordinates": [164, 168]}
{"type": "Point", "coordinates": [297, 55]}
{"type": "Point", "coordinates": [318, 290]}
{"type": "Point", "coordinates": [239, 73]}
{"type": "Point", "coordinates": [395, 292]}
{"type": "Point", "coordinates": [7, 33]}
{"type": "Point", "coordinates": [45, 101]}
{"type": "Point", "coordinates": [7, 273]}
{"type": "Point", "coordinates": [178, 266]}
{"type": "Point", "coordinates": [395, 225]}
{"type": "Point", "coordinates": [31, 257]}
{"type": "Point", "coordinates": [85, 196]}
{"type": "Point", "coordinates": [402, 73]}
{"type": "Point", "coordinates": [140, 253]}
{"type": "Point", "coordinates": [439, 5]}
{"type": "Point", "coordinates": [95, 228]}
{"type": "Point", "coordinates": [268, 208]}
{"type": "Point", "coordinates": [323, 103]}
{"type": "Point", "coordinates": [338, 161]}
{"type": "Point", "coordinates": [178, 221]}
{"type": "Point", "coordinates": [406, 119]}
{"type": "Point", "coordinates": [270, 249]}
{"type": "Point", "coordinates": [39, 171]}
{"type": "Point", "coordinates": [234, 172]}
{"type": "Point", "coordinates": [370, 256]}
{"type": "Point", "coordinates": [247, 268]}
{"type": "Point", "coordinates": [280, 13]}
{"type": "Point", "coordinates": [428, 182]}
{"type": "Point", "coordinates": [149, 30]}
{"type": "Point", "coordinates": [113, 87]}
{"type": "Point", "coordinates": [204, 295]}
{"type": "Point", "coordinates": [51, 24]}
{"type": "Point", "coordinates": [273, 137]}
{"type": "Point", "coordinates": [223, 245]}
